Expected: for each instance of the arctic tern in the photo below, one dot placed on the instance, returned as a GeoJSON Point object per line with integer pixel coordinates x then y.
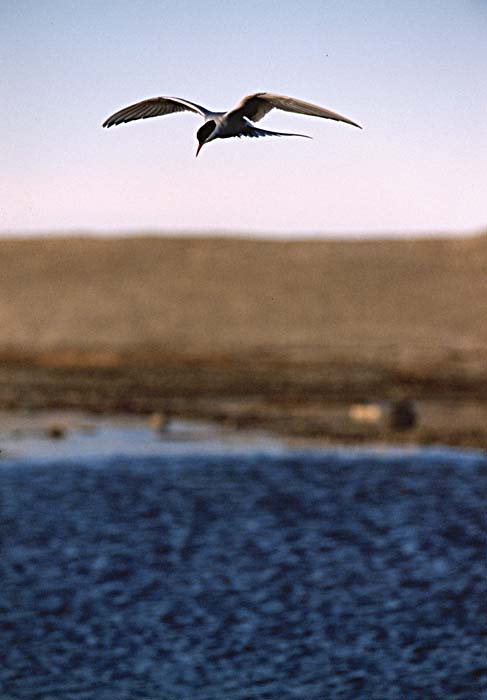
{"type": "Point", "coordinates": [223, 125]}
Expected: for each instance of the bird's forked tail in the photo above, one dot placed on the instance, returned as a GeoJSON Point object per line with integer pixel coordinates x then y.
{"type": "Point", "coordinates": [255, 132]}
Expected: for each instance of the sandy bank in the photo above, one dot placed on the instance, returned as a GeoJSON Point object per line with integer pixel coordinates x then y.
{"type": "Point", "coordinates": [283, 334]}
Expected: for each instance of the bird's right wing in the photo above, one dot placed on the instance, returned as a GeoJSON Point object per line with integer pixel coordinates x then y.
{"type": "Point", "coordinates": [256, 106]}
{"type": "Point", "coordinates": [154, 107]}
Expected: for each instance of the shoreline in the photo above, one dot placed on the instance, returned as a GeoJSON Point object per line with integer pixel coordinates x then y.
{"type": "Point", "coordinates": [321, 339]}
{"type": "Point", "coordinates": [325, 403]}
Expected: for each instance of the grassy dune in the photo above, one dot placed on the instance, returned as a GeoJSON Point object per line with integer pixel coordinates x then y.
{"type": "Point", "coordinates": [305, 299]}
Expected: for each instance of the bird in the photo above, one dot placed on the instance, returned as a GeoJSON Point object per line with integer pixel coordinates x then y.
{"type": "Point", "coordinates": [238, 121]}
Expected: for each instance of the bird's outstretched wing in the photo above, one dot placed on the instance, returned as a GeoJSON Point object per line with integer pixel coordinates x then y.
{"type": "Point", "coordinates": [256, 106]}
{"type": "Point", "coordinates": [154, 107]}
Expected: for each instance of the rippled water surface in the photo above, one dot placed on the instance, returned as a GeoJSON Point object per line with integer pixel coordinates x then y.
{"type": "Point", "coordinates": [266, 574]}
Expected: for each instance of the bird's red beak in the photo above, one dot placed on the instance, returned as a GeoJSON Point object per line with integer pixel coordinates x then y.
{"type": "Point", "coordinates": [198, 149]}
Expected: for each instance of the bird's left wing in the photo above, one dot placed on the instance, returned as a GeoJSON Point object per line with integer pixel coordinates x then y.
{"type": "Point", "coordinates": [154, 107]}
{"type": "Point", "coordinates": [256, 106]}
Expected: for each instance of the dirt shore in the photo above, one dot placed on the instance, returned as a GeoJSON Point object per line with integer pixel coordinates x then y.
{"type": "Point", "coordinates": [329, 339]}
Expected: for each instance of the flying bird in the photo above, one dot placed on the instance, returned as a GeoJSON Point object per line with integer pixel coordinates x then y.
{"type": "Point", "coordinates": [223, 125]}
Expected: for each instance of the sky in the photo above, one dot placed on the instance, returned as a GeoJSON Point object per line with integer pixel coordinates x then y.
{"type": "Point", "coordinates": [413, 73]}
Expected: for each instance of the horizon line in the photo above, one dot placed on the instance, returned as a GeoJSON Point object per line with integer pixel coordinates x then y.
{"type": "Point", "coordinates": [207, 233]}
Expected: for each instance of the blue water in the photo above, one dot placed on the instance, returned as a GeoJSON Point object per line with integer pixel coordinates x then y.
{"type": "Point", "coordinates": [256, 574]}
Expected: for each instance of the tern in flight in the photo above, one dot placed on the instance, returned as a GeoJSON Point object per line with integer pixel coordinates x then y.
{"type": "Point", "coordinates": [223, 125]}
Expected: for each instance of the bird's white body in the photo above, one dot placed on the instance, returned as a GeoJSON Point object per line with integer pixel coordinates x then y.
{"type": "Point", "coordinates": [222, 125]}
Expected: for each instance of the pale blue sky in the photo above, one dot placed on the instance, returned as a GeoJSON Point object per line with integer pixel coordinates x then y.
{"type": "Point", "coordinates": [412, 72]}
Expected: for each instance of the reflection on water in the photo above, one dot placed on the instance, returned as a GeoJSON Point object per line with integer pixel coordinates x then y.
{"type": "Point", "coordinates": [259, 573]}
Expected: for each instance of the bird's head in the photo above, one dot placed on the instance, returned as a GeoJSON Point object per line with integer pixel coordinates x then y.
{"type": "Point", "coordinates": [204, 134]}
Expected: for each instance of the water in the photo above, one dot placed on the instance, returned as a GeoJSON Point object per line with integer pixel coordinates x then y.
{"type": "Point", "coordinates": [257, 572]}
